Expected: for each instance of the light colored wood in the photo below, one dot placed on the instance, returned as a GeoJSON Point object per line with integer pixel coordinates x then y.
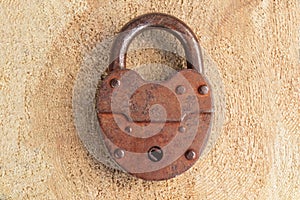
{"type": "Point", "coordinates": [256, 46]}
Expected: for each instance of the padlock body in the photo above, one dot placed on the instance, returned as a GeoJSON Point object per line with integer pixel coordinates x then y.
{"type": "Point", "coordinates": [155, 125]}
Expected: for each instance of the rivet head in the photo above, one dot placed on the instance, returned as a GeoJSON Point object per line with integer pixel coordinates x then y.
{"type": "Point", "coordinates": [180, 89]}
{"type": "Point", "coordinates": [114, 82]}
{"type": "Point", "coordinates": [119, 153]}
{"type": "Point", "coordinates": [181, 129]}
{"type": "Point", "coordinates": [190, 155]}
{"type": "Point", "coordinates": [203, 89]}
{"type": "Point", "coordinates": [155, 154]}
{"type": "Point", "coordinates": [128, 129]}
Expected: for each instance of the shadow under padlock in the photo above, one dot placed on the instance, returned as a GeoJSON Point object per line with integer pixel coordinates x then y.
{"type": "Point", "coordinates": [153, 130]}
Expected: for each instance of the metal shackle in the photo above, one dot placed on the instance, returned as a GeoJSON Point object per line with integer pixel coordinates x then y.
{"type": "Point", "coordinates": [156, 20]}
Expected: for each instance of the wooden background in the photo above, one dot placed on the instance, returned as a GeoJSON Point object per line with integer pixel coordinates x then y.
{"type": "Point", "coordinates": [255, 44]}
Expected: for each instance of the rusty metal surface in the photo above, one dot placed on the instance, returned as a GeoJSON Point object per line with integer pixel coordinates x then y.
{"type": "Point", "coordinates": [128, 124]}
{"type": "Point", "coordinates": [155, 130]}
{"type": "Point", "coordinates": [164, 22]}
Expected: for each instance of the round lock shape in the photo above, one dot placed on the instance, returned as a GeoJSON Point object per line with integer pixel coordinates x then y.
{"type": "Point", "coordinates": [155, 130]}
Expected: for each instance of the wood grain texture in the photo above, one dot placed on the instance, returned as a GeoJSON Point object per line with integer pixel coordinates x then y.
{"type": "Point", "coordinates": [256, 46]}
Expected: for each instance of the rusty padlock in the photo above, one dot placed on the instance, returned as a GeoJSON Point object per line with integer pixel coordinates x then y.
{"type": "Point", "coordinates": [155, 130]}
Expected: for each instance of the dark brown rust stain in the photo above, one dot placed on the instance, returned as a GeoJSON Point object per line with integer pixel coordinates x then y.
{"type": "Point", "coordinates": [169, 119]}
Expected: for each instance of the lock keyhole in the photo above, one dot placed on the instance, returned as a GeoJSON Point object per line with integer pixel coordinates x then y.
{"type": "Point", "coordinates": [155, 154]}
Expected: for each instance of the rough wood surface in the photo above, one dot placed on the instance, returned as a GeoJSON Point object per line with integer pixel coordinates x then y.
{"type": "Point", "coordinates": [256, 46]}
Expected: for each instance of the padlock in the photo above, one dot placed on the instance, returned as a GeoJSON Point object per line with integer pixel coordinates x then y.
{"type": "Point", "coordinates": [155, 130]}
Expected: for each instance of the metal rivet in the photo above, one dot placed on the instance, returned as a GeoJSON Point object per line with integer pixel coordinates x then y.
{"type": "Point", "coordinates": [181, 129]}
{"type": "Point", "coordinates": [119, 153]}
{"type": "Point", "coordinates": [155, 154]}
{"type": "Point", "coordinates": [203, 89]}
{"type": "Point", "coordinates": [190, 155]}
{"type": "Point", "coordinates": [114, 83]}
{"type": "Point", "coordinates": [128, 129]}
{"type": "Point", "coordinates": [180, 89]}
